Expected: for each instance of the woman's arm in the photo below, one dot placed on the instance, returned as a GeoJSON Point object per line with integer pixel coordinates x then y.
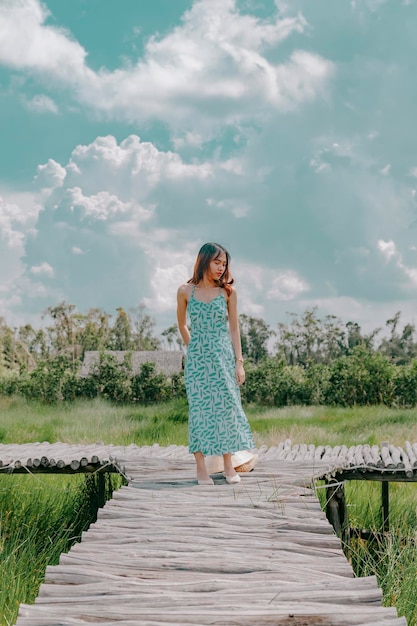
{"type": "Point", "coordinates": [235, 336]}
{"type": "Point", "coordinates": [182, 301]}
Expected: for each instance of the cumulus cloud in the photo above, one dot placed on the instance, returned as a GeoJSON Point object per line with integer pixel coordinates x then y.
{"type": "Point", "coordinates": [141, 162]}
{"type": "Point", "coordinates": [214, 68]}
{"type": "Point", "coordinates": [28, 43]}
{"type": "Point", "coordinates": [50, 174]}
{"type": "Point", "coordinates": [389, 250]}
{"type": "Point", "coordinates": [169, 269]}
{"type": "Point", "coordinates": [18, 214]}
{"type": "Point", "coordinates": [44, 269]}
{"type": "Point", "coordinates": [310, 162]}
{"type": "Point", "coordinates": [286, 286]}
{"type": "Point", "coordinates": [41, 104]}
{"type": "Point", "coordinates": [102, 235]}
{"type": "Point", "coordinates": [122, 222]}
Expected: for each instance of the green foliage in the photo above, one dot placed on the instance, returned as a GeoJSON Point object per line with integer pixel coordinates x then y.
{"type": "Point", "coordinates": [178, 386]}
{"type": "Point", "coordinates": [405, 385]}
{"type": "Point", "coordinates": [172, 336]}
{"type": "Point", "coordinates": [149, 386]}
{"type": "Point", "coordinates": [399, 347]}
{"type": "Point", "coordinates": [308, 339]}
{"type": "Point", "coordinates": [47, 380]}
{"type": "Point", "coordinates": [121, 336]}
{"type": "Point", "coordinates": [110, 379]}
{"type": "Point", "coordinates": [9, 383]}
{"type": "Point", "coordinates": [363, 377]}
{"type": "Point", "coordinates": [274, 383]}
{"type": "Point", "coordinates": [254, 333]}
{"type": "Point", "coordinates": [39, 519]}
{"type": "Point", "coordinates": [392, 556]}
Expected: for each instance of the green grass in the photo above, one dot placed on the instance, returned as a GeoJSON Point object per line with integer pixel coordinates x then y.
{"type": "Point", "coordinates": [90, 421]}
{"type": "Point", "coordinates": [332, 426]}
{"type": "Point", "coordinates": [96, 420]}
{"type": "Point", "coordinates": [41, 516]}
{"type": "Point", "coordinates": [391, 557]}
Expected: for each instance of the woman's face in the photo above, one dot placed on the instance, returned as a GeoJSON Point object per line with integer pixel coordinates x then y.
{"type": "Point", "coordinates": [217, 267]}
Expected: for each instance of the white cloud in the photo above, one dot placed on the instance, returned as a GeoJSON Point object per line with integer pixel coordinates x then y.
{"type": "Point", "coordinates": [216, 54]}
{"type": "Point", "coordinates": [41, 104]}
{"type": "Point", "coordinates": [387, 248]}
{"type": "Point", "coordinates": [189, 139]}
{"type": "Point", "coordinates": [28, 43]}
{"type": "Point", "coordinates": [142, 162]}
{"type": "Point", "coordinates": [50, 174]}
{"type": "Point", "coordinates": [250, 284]}
{"type": "Point", "coordinates": [102, 207]}
{"type": "Point", "coordinates": [169, 268]}
{"type": "Point", "coordinates": [286, 286]}
{"type": "Point", "coordinates": [99, 232]}
{"type": "Point", "coordinates": [44, 269]}
{"type": "Point", "coordinates": [233, 165]}
{"type": "Point", "coordinates": [18, 213]}
{"type": "Point", "coordinates": [236, 206]}
{"type": "Point", "coordinates": [163, 282]}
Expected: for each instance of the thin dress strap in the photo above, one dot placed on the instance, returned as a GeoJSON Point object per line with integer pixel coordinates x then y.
{"type": "Point", "coordinates": [192, 291]}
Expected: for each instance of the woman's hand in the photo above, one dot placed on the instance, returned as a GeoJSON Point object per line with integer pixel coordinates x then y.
{"type": "Point", "coordinates": [240, 373]}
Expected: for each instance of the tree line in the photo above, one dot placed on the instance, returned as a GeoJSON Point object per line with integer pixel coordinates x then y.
{"type": "Point", "coordinates": [309, 360]}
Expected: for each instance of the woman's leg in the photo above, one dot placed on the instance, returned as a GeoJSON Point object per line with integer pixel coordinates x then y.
{"type": "Point", "coordinates": [229, 470]}
{"type": "Point", "coordinates": [202, 473]}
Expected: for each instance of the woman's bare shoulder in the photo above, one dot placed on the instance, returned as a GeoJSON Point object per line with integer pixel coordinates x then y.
{"type": "Point", "coordinates": [184, 290]}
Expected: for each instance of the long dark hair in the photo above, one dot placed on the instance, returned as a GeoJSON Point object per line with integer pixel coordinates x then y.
{"type": "Point", "coordinates": [207, 253]}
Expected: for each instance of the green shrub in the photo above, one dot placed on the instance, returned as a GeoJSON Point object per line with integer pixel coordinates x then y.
{"type": "Point", "coordinates": [178, 386]}
{"type": "Point", "coordinates": [273, 383]}
{"type": "Point", "coordinates": [405, 385]}
{"type": "Point", "coordinates": [317, 382]}
{"type": "Point", "coordinates": [110, 379]}
{"type": "Point", "coordinates": [362, 377]}
{"type": "Point", "coordinates": [9, 384]}
{"type": "Point", "coordinates": [46, 381]}
{"type": "Point", "coordinates": [149, 386]}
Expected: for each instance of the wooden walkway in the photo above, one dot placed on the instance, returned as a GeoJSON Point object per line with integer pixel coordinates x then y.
{"type": "Point", "coordinates": [167, 551]}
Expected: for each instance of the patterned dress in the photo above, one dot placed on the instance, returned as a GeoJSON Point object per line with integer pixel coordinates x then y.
{"type": "Point", "coordinates": [217, 423]}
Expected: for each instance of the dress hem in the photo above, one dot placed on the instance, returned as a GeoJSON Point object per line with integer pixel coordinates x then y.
{"type": "Point", "coordinates": [221, 452]}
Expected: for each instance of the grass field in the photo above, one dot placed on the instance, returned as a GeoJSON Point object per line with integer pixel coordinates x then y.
{"type": "Point", "coordinates": [96, 420]}
{"type": "Point", "coordinates": [41, 516]}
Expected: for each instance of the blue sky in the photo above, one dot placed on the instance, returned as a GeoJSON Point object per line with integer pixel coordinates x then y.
{"type": "Point", "coordinates": [133, 132]}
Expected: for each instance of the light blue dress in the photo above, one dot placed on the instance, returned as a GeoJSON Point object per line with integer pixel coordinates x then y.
{"type": "Point", "coordinates": [217, 423]}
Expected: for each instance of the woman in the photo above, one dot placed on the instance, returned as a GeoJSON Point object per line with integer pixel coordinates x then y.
{"type": "Point", "coordinates": [214, 364]}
